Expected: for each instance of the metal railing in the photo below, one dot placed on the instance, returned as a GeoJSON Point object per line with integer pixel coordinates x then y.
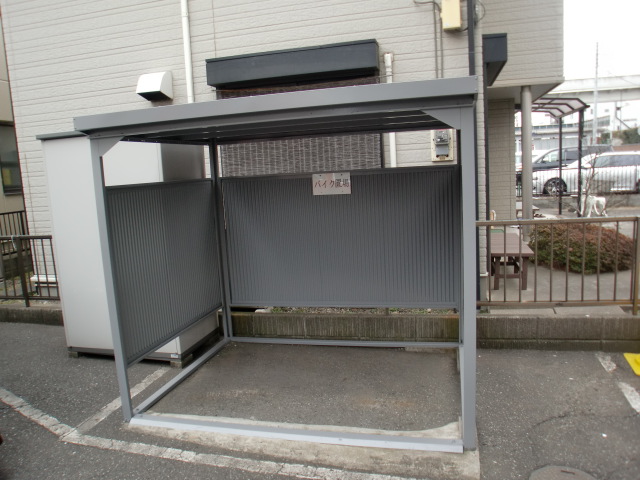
{"type": "Point", "coordinates": [28, 268]}
{"type": "Point", "coordinates": [562, 262]}
{"type": "Point", "coordinates": [13, 223]}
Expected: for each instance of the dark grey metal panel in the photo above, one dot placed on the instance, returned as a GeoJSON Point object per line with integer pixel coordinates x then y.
{"type": "Point", "coordinates": [166, 265]}
{"type": "Point", "coordinates": [394, 241]}
{"type": "Point", "coordinates": [338, 60]}
{"type": "Point", "coordinates": [494, 53]}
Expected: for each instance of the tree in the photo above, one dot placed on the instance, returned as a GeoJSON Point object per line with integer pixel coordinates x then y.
{"type": "Point", "coordinates": [629, 136]}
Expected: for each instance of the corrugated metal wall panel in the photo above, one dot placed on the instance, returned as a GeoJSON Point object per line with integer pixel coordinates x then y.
{"type": "Point", "coordinates": [394, 241]}
{"type": "Point", "coordinates": [165, 259]}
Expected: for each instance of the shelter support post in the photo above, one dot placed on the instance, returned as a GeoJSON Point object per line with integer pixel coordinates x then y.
{"type": "Point", "coordinates": [527, 174]}
{"type": "Point", "coordinates": [560, 160]}
{"type": "Point", "coordinates": [580, 135]}
{"type": "Point", "coordinates": [464, 121]}
{"type": "Point", "coordinates": [469, 278]}
{"type": "Point", "coordinates": [98, 148]}
{"type": "Point", "coordinates": [222, 239]}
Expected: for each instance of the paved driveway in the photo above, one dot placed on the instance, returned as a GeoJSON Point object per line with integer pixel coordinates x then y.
{"type": "Point", "coordinates": [59, 420]}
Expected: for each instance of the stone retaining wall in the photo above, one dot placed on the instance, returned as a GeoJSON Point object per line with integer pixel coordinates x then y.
{"type": "Point", "coordinates": [557, 332]}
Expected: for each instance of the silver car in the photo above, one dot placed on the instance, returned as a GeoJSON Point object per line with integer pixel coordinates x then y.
{"type": "Point", "coordinates": [604, 173]}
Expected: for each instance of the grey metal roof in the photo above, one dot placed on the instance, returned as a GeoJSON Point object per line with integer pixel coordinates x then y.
{"type": "Point", "coordinates": [558, 107]}
{"type": "Point", "coordinates": [370, 108]}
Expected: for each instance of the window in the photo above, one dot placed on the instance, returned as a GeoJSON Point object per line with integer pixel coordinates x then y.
{"type": "Point", "coordinates": [602, 162]}
{"type": "Point", "coordinates": [9, 163]}
{"type": "Point", "coordinates": [551, 157]}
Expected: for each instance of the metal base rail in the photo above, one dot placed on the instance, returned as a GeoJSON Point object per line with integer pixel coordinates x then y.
{"type": "Point", "coordinates": [353, 439]}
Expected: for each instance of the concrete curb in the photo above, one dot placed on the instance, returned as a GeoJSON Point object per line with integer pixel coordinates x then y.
{"type": "Point", "coordinates": [608, 333]}
{"type": "Point", "coordinates": [40, 315]}
{"type": "Point", "coordinates": [560, 332]}
{"type": "Point", "coordinates": [555, 332]}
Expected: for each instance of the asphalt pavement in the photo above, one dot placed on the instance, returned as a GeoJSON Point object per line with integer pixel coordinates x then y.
{"type": "Point", "coordinates": [60, 418]}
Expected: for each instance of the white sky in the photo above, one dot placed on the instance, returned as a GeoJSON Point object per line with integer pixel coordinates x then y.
{"type": "Point", "coordinates": [614, 25]}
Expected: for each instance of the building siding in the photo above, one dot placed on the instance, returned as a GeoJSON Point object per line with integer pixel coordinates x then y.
{"type": "Point", "coordinates": [501, 142]}
{"type": "Point", "coordinates": [535, 40]}
{"type": "Point", "coordinates": [69, 59]}
{"type": "Point", "coordinates": [12, 202]}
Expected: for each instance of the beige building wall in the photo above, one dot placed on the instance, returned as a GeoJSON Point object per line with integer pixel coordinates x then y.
{"type": "Point", "coordinates": [535, 58]}
{"type": "Point", "coordinates": [77, 58]}
{"type": "Point", "coordinates": [535, 42]}
{"type": "Point", "coordinates": [501, 142]}
{"type": "Point", "coordinates": [92, 64]}
{"type": "Point", "coordinates": [6, 112]}
{"type": "Point", "coordinates": [13, 202]}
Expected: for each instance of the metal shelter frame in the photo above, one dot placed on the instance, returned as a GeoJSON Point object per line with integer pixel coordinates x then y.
{"type": "Point", "coordinates": [558, 108]}
{"type": "Point", "coordinates": [422, 105]}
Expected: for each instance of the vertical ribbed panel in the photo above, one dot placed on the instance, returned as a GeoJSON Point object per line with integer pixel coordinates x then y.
{"type": "Point", "coordinates": [394, 241]}
{"type": "Point", "coordinates": [165, 259]}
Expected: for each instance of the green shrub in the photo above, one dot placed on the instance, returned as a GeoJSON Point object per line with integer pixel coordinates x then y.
{"type": "Point", "coordinates": [596, 238]}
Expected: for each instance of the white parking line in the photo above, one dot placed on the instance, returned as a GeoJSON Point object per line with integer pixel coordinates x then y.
{"type": "Point", "coordinates": [111, 407]}
{"type": "Point", "coordinates": [631, 394]}
{"type": "Point", "coordinates": [606, 362]}
{"type": "Point", "coordinates": [262, 467]}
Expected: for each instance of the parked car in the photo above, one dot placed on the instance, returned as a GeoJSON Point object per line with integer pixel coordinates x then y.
{"type": "Point", "coordinates": [550, 158]}
{"type": "Point", "coordinates": [603, 173]}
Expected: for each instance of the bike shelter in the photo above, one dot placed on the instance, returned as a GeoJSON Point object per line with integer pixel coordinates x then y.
{"type": "Point", "coordinates": [176, 252]}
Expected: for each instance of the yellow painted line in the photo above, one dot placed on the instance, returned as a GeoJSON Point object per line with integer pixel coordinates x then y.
{"type": "Point", "coordinates": [634, 361]}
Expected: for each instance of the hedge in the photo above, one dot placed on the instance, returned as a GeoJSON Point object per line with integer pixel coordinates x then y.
{"type": "Point", "coordinates": [596, 238]}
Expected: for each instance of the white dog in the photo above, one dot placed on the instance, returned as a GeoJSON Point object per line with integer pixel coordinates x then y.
{"type": "Point", "coordinates": [594, 204]}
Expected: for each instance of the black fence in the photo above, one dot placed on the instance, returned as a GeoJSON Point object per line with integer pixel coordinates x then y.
{"type": "Point", "coordinates": [13, 223]}
{"type": "Point", "coordinates": [28, 269]}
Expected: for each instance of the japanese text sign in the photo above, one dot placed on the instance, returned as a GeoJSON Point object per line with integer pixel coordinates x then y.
{"type": "Point", "coordinates": [332, 183]}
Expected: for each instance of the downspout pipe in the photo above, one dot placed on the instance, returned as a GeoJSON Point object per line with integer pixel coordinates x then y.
{"type": "Point", "coordinates": [186, 45]}
{"type": "Point", "coordinates": [471, 22]}
{"type": "Point", "coordinates": [388, 65]}
{"type": "Point", "coordinates": [471, 39]}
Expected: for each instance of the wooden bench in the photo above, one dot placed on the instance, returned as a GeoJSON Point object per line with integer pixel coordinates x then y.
{"type": "Point", "coordinates": [519, 209]}
{"type": "Point", "coordinates": [508, 250]}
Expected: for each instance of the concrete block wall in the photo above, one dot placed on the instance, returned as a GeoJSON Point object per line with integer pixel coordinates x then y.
{"type": "Point", "coordinates": [69, 59]}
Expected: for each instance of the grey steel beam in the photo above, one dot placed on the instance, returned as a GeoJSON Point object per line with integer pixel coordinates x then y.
{"type": "Point", "coordinates": [327, 103]}
{"type": "Point", "coordinates": [98, 148]}
{"type": "Point", "coordinates": [181, 377]}
{"type": "Point", "coordinates": [222, 239]}
{"type": "Point", "coordinates": [469, 279]}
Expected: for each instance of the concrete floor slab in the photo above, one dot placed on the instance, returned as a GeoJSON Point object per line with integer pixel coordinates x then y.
{"type": "Point", "coordinates": [409, 392]}
{"type": "Point", "coordinates": [379, 388]}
